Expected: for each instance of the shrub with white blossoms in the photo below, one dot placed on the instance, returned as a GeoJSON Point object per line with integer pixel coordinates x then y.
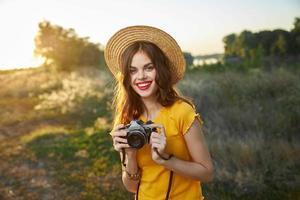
{"type": "Point", "coordinates": [74, 90]}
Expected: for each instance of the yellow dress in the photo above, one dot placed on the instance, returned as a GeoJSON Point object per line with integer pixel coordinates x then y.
{"type": "Point", "coordinates": [155, 178]}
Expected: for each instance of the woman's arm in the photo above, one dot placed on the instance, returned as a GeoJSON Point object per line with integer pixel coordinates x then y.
{"type": "Point", "coordinates": [131, 168]}
{"type": "Point", "coordinates": [201, 168]}
{"type": "Point", "coordinates": [120, 143]}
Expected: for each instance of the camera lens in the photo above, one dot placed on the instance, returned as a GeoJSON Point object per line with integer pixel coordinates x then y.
{"type": "Point", "coordinates": [136, 140]}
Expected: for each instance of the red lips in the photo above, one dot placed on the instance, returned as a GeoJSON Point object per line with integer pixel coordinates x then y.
{"type": "Point", "coordinates": [144, 85]}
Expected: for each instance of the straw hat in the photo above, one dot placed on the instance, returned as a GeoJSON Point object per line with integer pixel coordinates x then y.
{"type": "Point", "coordinates": [122, 39]}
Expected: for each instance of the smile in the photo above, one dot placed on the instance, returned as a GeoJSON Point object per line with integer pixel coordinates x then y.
{"type": "Point", "coordinates": [144, 85]}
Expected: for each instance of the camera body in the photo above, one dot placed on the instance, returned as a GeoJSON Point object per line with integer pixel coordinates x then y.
{"type": "Point", "coordinates": [138, 133]}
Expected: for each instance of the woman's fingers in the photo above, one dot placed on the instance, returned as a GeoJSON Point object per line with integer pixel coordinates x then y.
{"type": "Point", "coordinates": [120, 140]}
{"type": "Point", "coordinates": [119, 133]}
{"type": "Point", "coordinates": [160, 127]}
{"type": "Point", "coordinates": [159, 145]}
{"type": "Point", "coordinates": [120, 146]}
{"type": "Point", "coordinates": [157, 140]}
{"type": "Point", "coordinates": [157, 136]}
{"type": "Point", "coordinates": [119, 143]}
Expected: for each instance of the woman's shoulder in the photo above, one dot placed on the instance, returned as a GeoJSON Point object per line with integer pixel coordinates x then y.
{"type": "Point", "coordinates": [180, 106]}
{"type": "Point", "coordinates": [183, 113]}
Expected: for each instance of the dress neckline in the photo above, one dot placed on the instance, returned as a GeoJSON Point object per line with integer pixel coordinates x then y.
{"type": "Point", "coordinates": [144, 119]}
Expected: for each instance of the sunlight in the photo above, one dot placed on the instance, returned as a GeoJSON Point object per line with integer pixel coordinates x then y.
{"type": "Point", "coordinates": [198, 29]}
{"type": "Point", "coordinates": [17, 38]}
{"type": "Point", "coordinates": [19, 51]}
{"type": "Point", "coordinates": [22, 61]}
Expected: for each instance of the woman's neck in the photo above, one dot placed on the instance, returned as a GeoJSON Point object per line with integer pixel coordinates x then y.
{"type": "Point", "coordinates": [152, 108]}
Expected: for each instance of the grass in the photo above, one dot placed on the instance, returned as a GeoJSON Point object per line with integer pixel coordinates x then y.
{"type": "Point", "coordinates": [85, 162]}
{"type": "Point", "coordinates": [266, 102]}
{"type": "Point", "coordinates": [76, 163]}
{"type": "Point", "coordinates": [250, 124]}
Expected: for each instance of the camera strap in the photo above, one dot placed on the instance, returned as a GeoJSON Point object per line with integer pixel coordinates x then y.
{"type": "Point", "coordinates": [123, 157]}
{"type": "Point", "coordinates": [170, 177]}
{"type": "Point", "coordinates": [168, 191]}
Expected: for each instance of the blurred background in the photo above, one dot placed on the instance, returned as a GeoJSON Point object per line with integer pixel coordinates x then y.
{"type": "Point", "coordinates": [243, 73]}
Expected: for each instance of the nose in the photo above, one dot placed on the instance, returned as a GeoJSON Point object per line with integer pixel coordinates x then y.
{"type": "Point", "coordinates": [141, 74]}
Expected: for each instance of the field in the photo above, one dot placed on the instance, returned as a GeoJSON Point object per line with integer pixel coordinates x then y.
{"type": "Point", "coordinates": [54, 141]}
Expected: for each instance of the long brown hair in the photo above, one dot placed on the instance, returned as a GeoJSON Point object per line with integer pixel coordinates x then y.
{"type": "Point", "coordinates": [128, 104]}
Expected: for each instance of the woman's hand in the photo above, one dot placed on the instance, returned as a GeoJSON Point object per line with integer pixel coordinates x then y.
{"type": "Point", "coordinates": [158, 142]}
{"type": "Point", "coordinates": [119, 140]}
{"type": "Point", "coordinates": [128, 158]}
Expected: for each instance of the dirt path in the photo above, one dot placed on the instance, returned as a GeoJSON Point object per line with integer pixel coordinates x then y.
{"type": "Point", "coordinates": [18, 129]}
{"type": "Point", "coordinates": [22, 176]}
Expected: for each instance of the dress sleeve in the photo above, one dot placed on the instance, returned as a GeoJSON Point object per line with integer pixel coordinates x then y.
{"type": "Point", "coordinates": [186, 116]}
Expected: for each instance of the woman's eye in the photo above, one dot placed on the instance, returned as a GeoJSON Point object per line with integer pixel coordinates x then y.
{"type": "Point", "coordinates": [150, 68]}
{"type": "Point", "coordinates": [132, 71]}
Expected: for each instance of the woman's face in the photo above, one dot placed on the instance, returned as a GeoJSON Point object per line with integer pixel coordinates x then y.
{"type": "Point", "coordinates": [142, 75]}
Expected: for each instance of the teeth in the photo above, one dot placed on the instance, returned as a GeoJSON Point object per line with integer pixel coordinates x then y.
{"type": "Point", "coordinates": [143, 84]}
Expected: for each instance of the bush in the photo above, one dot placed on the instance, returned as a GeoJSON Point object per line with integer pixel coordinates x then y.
{"type": "Point", "coordinates": [251, 126]}
{"type": "Point", "coordinates": [83, 97]}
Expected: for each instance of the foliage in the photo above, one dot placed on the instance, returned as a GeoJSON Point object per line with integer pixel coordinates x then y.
{"type": "Point", "coordinates": [79, 96]}
{"type": "Point", "coordinates": [188, 59]}
{"type": "Point", "coordinates": [251, 125]}
{"type": "Point", "coordinates": [267, 101]}
{"type": "Point", "coordinates": [83, 161]}
{"type": "Point", "coordinates": [248, 45]}
{"type": "Point", "coordinates": [73, 91]}
{"type": "Point", "coordinates": [248, 119]}
{"type": "Point", "coordinates": [64, 49]}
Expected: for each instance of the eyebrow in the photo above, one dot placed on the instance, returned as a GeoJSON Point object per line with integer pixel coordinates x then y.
{"type": "Point", "coordinates": [144, 65]}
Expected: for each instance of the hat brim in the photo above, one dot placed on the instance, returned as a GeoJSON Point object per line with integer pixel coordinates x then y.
{"type": "Point", "coordinates": [122, 39]}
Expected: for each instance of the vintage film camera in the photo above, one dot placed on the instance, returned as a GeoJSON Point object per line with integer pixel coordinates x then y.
{"type": "Point", "coordinates": [138, 133]}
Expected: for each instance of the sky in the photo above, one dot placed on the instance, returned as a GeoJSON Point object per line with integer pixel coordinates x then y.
{"type": "Point", "coordinates": [197, 25]}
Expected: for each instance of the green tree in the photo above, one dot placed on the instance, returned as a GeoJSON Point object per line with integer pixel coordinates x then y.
{"type": "Point", "coordinates": [230, 45]}
{"type": "Point", "coordinates": [64, 49]}
{"type": "Point", "coordinates": [256, 56]}
{"type": "Point", "coordinates": [296, 25]}
{"type": "Point", "coordinates": [246, 42]}
{"type": "Point", "coordinates": [188, 59]}
{"type": "Point", "coordinates": [280, 46]}
{"type": "Point", "coordinates": [295, 32]}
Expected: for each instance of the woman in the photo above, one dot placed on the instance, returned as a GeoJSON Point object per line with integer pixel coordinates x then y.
{"type": "Point", "coordinates": [147, 63]}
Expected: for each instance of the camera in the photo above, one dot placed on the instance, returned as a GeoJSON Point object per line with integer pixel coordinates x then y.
{"type": "Point", "coordinates": [138, 133]}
